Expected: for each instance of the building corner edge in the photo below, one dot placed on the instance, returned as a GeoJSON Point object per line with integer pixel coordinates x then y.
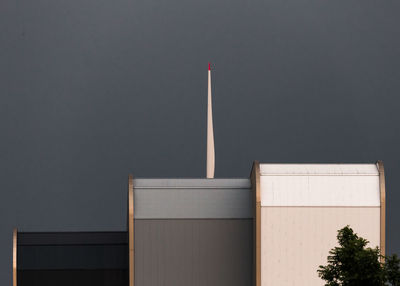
{"type": "Point", "coordinates": [14, 259]}
{"type": "Point", "coordinates": [131, 231]}
{"type": "Point", "coordinates": [382, 191]}
{"type": "Point", "coordinates": [255, 185]}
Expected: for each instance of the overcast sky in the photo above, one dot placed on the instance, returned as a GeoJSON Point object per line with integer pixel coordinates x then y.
{"type": "Point", "coordinates": [92, 90]}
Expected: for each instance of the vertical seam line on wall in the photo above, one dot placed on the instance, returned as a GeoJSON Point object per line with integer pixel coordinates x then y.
{"type": "Point", "coordinates": [14, 262]}
{"type": "Point", "coordinates": [131, 231]}
{"type": "Point", "coordinates": [255, 180]}
{"type": "Point", "coordinates": [382, 192]}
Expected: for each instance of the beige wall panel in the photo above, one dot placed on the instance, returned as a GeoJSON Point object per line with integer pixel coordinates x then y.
{"type": "Point", "coordinates": [296, 240]}
{"type": "Point", "coordinates": [320, 190]}
{"type": "Point", "coordinates": [318, 169]}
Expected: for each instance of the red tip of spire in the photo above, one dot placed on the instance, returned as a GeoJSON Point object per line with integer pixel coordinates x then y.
{"type": "Point", "coordinates": [209, 66]}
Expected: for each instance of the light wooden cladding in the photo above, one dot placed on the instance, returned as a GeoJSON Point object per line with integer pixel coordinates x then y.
{"type": "Point", "coordinates": [382, 189]}
{"type": "Point", "coordinates": [131, 232]}
{"type": "Point", "coordinates": [255, 182]}
{"type": "Point", "coordinates": [14, 257]}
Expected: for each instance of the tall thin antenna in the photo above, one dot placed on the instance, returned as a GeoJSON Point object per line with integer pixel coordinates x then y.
{"type": "Point", "coordinates": [210, 132]}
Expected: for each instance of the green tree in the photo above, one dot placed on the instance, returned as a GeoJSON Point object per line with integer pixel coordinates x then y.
{"type": "Point", "coordinates": [392, 269]}
{"type": "Point", "coordinates": [352, 263]}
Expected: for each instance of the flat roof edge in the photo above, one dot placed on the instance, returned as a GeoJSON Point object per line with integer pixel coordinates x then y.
{"type": "Point", "coordinates": [199, 183]}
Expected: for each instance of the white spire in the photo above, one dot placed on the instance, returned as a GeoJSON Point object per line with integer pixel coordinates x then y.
{"type": "Point", "coordinates": [210, 132]}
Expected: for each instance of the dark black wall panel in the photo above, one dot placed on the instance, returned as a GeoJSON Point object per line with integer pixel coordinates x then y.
{"type": "Point", "coordinates": [72, 238]}
{"type": "Point", "coordinates": [114, 277]}
{"type": "Point", "coordinates": [73, 258]}
{"type": "Point", "coordinates": [193, 252]}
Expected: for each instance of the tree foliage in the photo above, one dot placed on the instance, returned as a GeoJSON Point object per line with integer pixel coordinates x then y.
{"type": "Point", "coordinates": [352, 263]}
{"type": "Point", "coordinates": [392, 270]}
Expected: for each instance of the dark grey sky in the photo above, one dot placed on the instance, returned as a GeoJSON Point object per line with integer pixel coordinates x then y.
{"type": "Point", "coordinates": [92, 90]}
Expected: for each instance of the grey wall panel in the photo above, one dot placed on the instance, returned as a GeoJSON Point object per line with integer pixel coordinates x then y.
{"type": "Point", "coordinates": [192, 198]}
{"type": "Point", "coordinates": [241, 183]}
{"type": "Point", "coordinates": [193, 252]}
